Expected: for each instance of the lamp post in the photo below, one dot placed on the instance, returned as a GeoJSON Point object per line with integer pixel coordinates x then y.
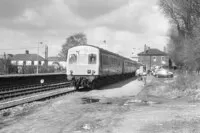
{"type": "Point", "coordinates": [38, 57]}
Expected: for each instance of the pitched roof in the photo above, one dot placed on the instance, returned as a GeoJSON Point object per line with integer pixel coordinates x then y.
{"type": "Point", "coordinates": [152, 52]}
{"type": "Point", "coordinates": [54, 58]}
{"type": "Point", "coordinates": [27, 57]}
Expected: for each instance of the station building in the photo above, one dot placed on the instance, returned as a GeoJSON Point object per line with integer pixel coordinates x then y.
{"type": "Point", "coordinates": [153, 57]}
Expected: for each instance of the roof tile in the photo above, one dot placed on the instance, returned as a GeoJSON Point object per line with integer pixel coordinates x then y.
{"type": "Point", "coordinates": [152, 52]}
{"type": "Point", "coordinates": [27, 57]}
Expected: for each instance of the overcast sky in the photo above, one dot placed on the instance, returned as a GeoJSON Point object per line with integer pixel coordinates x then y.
{"type": "Point", "coordinates": [124, 24]}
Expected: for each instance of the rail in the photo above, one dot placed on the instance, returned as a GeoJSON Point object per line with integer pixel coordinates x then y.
{"type": "Point", "coordinates": [11, 97]}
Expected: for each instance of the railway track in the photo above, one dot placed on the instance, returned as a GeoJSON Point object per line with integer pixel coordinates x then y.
{"type": "Point", "coordinates": [15, 96]}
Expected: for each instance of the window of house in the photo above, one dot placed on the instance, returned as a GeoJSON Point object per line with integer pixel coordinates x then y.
{"type": "Point", "coordinates": [154, 58]}
{"type": "Point", "coordinates": [24, 63]}
{"type": "Point", "coordinates": [163, 58]}
{"type": "Point", "coordinates": [32, 62]}
{"type": "Point", "coordinates": [72, 58]}
{"type": "Point", "coordinates": [39, 63]}
{"type": "Point", "coordinates": [14, 62]}
{"type": "Point", "coordinates": [92, 59]}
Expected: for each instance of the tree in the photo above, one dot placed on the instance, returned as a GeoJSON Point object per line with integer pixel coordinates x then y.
{"type": "Point", "coordinates": [184, 14]}
{"type": "Point", "coordinates": [73, 40]}
{"type": "Point", "coordinates": [184, 35]}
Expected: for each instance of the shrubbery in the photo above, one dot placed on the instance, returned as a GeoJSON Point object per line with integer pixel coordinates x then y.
{"type": "Point", "coordinates": [41, 69]}
{"type": "Point", "coordinates": [182, 85]}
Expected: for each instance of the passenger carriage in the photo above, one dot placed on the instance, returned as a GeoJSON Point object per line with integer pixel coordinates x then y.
{"type": "Point", "coordinates": [90, 66]}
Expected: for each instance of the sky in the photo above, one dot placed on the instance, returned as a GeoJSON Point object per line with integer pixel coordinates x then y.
{"type": "Point", "coordinates": [126, 25]}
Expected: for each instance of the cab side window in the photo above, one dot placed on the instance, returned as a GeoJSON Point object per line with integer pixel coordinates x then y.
{"type": "Point", "coordinates": [92, 58]}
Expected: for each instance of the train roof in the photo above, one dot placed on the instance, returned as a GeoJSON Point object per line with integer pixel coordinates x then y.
{"type": "Point", "coordinates": [104, 50]}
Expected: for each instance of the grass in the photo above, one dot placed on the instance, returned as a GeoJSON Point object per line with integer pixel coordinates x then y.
{"type": "Point", "coordinates": [182, 85]}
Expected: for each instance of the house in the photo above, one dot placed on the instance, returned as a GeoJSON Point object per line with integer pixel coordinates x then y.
{"type": "Point", "coordinates": [57, 62]}
{"type": "Point", "coordinates": [153, 57]}
{"type": "Point", "coordinates": [27, 59]}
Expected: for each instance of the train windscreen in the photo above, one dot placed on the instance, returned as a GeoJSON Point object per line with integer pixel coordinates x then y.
{"type": "Point", "coordinates": [82, 59]}
{"type": "Point", "coordinates": [72, 59]}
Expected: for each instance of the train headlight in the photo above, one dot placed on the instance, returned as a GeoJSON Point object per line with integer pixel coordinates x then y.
{"type": "Point", "coordinates": [71, 72]}
{"type": "Point", "coordinates": [93, 72]}
{"type": "Point", "coordinates": [88, 71]}
{"type": "Point", "coordinates": [69, 77]}
{"type": "Point", "coordinates": [91, 78]}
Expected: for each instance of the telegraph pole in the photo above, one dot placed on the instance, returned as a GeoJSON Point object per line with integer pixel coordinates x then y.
{"type": "Point", "coordinates": [46, 55]}
{"type": "Point", "coordinates": [5, 63]}
{"type": "Point", "coordinates": [38, 57]}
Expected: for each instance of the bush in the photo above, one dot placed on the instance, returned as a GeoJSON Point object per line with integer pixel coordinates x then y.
{"type": "Point", "coordinates": [183, 85]}
{"type": "Point", "coordinates": [33, 69]}
{"type": "Point", "coordinates": [186, 81]}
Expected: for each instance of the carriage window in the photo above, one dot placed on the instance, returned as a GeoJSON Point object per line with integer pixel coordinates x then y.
{"type": "Point", "coordinates": [104, 59]}
{"type": "Point", "coordinates": [92, 59]}
{"type": "Point", "coordinates": [72, 59]}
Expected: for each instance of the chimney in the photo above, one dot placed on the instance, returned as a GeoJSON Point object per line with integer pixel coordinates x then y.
{"type": "Point", "coordinates": [165, 49]}
{"type": "Point", "coordinates": [145, 48]}
{"type": "Point", "coordinates": [27, 52]}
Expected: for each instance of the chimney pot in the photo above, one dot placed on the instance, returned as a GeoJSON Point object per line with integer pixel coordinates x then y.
{"type": "Point", "coordinates": [27, 52]}
{"type": "Point", "coordinates": [145, 48]}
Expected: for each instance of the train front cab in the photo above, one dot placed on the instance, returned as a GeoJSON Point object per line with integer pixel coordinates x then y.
{"type": "Point", "coordinates": [83, 65]}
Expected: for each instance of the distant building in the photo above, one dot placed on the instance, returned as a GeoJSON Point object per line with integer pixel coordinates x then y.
{"type": "Point", "coordinates": [27, 59]}
{"type": "Point", "coordinates": [153, 57]}
{"type": "Point", "coordinates": [57, 62]}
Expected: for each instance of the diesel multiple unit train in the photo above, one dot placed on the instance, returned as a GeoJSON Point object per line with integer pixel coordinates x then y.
{"type": "Point", "coordinates": [93, 67]}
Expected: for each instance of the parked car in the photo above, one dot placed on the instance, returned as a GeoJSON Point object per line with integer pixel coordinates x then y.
{"type": "Point", "coordinates": [163, 73]}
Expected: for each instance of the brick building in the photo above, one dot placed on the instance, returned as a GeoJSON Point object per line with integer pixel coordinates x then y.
{"type": "Point", "coordinates": [153, 57]}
